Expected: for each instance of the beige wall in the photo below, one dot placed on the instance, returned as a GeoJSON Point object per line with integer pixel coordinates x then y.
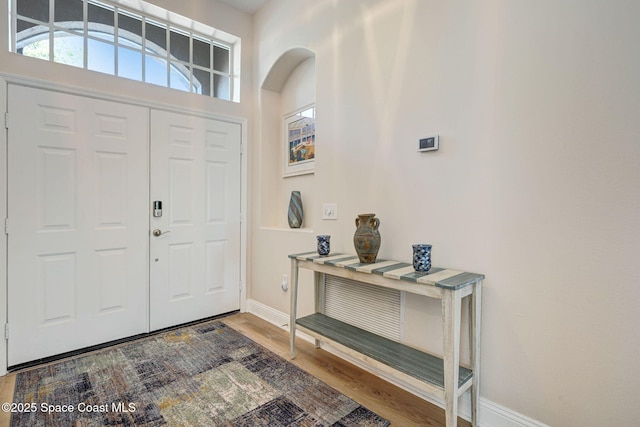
{"type": "Point", "coordinates": [536, 183]}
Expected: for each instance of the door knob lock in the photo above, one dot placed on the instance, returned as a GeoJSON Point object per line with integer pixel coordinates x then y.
{"type": "Point", "coordinates": [157, 232]}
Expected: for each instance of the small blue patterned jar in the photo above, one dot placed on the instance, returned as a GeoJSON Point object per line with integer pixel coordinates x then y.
{"type": "Point", "coordinates": [421, 257]}
{"type": "Point", "coordinates": [323, 244]}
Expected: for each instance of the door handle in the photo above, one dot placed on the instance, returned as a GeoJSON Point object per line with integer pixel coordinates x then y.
{"type": "Point", "coordinates": [159, 233]}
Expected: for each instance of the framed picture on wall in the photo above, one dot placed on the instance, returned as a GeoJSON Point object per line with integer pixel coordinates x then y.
{"type": "Point", "coordinates": [300, 142]}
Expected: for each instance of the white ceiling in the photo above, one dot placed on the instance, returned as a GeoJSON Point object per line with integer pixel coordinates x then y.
{"type": "Point", "coordinates": [247, 6]}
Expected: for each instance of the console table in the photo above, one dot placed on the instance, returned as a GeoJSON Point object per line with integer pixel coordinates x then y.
{"type": "Point", "coordinates": [443, 378]}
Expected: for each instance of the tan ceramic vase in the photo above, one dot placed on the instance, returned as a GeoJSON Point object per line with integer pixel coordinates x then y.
{"type": "Point", "coordinates": [367, 238]}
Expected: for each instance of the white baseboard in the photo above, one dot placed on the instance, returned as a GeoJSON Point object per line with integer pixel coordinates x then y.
{"type": "Point", "coordinates": [490, 414]}
{"type": "Point", "coordinates": [269, 314]}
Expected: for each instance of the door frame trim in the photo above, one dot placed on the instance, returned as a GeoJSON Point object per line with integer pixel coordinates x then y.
{"type": "Point", "coordinates": [3, 214]}
{"type": "Point", "coordinates": [7, 79]}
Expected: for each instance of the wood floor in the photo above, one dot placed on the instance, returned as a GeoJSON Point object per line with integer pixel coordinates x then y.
{"type": "Point", "coordinates": [395, 404]}
{"type": "Point", "coordinates": [398, 406]}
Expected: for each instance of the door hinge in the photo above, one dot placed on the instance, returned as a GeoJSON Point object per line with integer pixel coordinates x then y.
{"type": "Point", "coordinates": [6, 226]}
{"type": "Point", "coordinates": [6, 120]}
{"type": "Point", "coordinates": [6, 331]}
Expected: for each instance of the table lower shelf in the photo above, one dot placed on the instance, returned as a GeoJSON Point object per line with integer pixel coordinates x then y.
{"type": "Point", "coordinates": [422, 366]}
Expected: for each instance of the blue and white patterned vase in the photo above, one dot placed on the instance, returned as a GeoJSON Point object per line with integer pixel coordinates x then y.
{"type": "Point", "coordinates": [324, 246]}
{"type": "Point", "coordinates": [295, 210]}
{"type": "Point", "coordinates": [421, 257]}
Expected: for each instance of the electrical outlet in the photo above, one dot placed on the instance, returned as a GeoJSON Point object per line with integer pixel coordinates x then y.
{"type": "Point", "coordinates": [284, 285]}
{"type": "Point", "coordinates": [329, 211]}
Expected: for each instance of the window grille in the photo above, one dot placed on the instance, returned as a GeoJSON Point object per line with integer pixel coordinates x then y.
{"type": "Point", "coordinates": [106, 37]}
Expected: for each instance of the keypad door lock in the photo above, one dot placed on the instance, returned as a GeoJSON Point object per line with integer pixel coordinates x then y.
{"type": "Point", "coordinates": [157, 208]}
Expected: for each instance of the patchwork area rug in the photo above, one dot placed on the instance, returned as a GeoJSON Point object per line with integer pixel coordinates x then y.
{"type": "Point", "coordinates": [202, 375]}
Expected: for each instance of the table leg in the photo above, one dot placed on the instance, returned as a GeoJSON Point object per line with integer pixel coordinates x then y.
{"type": "Point", "coordinates": [451, 312]}
{"type": "Point", "coordinates": [293, 306]}
{"type": "Point", "coordinates": [318, 306]}
{"type": "Point", "coordinates": [474, 332]}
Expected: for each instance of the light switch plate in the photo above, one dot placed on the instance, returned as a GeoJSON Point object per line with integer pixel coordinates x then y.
{"type": "Point", "coordinates": [329, 211]}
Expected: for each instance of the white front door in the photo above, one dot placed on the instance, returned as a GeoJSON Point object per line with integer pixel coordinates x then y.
{"type": "Point", "coordinates": [195, 256]}
{"type": "Point", "coordinates": [78, 222]}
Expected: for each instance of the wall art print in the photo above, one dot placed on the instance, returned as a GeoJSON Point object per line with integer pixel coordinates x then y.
{"type": "Point", "coordinates": [300, 142]}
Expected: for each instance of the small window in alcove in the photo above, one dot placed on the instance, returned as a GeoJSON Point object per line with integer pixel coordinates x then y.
{"type": "Point", "coordinates": [300, 141]}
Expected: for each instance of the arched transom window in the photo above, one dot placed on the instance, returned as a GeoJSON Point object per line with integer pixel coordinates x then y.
{"type": "Point", "coordinates": [108, 38]}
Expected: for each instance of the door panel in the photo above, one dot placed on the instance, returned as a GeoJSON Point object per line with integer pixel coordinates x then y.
{"type": "Point", "coordinates": [195, 263]}
{"type": "Point", "coordinates": [79, 249]}
{"type": "Point", "coordinates": [78, 214]}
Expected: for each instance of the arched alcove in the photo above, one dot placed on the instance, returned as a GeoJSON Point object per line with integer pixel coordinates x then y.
{"type": "Point", "coordinates": [289, 86]}
{"type": "Point", "coordinates": [284, 66]}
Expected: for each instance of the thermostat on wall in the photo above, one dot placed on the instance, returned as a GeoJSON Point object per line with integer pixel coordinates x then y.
{"type": "Point", "coordinates": [430, 143]}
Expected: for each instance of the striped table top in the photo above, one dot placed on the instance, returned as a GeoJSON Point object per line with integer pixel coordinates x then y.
{"type": "Point", "coordinates": [441, 277]}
